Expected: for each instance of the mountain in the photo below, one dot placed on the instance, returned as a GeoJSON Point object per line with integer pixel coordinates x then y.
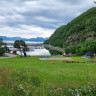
{"type": "Point", "coordinates": [38, 39]}
{"type": "Point", "coordinates": [81, 29]}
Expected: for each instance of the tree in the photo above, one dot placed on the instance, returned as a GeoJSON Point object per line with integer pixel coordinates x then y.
{"type": "Point", "coordinates": [68, 50]}
{"type": "Point", "coordinates": [73, 49]}
{"type": "Point", "coordinates": [21, 46]}
{"type": "Point", "coordinates": [3, 47]}
{"type": "Point", "coordinates": [1, 41]}
{"type": "Point", "coordinates": [1, 51]}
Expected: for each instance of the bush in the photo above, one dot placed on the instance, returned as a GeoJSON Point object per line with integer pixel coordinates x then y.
{"type": "Point", "coordinates": [4, 48]}
{"type": "Point", "coordinates": [82, 48]}
{"type": "Point", "coordinates": [1, 51]}
{"type": "Point", "coordinates": [68, 50]}
{"type": "Point", "coordinates": [73, 50]}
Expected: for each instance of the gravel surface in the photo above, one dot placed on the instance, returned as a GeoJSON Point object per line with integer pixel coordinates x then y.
{"type": "Point", "coordinates": [55, 58]}
{"type": "Point", "coordinates": [9, 56]}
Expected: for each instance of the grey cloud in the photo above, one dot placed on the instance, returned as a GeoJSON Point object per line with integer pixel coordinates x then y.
{"type": "Point", "coordinates": [46, 14]}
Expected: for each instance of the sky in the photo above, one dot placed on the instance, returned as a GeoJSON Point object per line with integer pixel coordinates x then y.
{"type": "Point", "coordinates": [38, 18]}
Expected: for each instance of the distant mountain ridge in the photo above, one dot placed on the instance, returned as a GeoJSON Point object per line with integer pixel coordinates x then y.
{"type": "Point", "coordinates": [37, 39]}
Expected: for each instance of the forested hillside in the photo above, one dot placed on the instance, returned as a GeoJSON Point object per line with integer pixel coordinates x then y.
{"type": "Point", "coordinates": [79, 30]}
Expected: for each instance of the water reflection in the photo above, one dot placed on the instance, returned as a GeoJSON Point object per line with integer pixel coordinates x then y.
{"type": "Point", "coordinates": [37, 52]}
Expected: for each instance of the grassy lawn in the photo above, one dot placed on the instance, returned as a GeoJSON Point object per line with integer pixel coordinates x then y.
{"type": "Point", "coordinates": [23, 69]}
{"type": "Point", "coordinates": [58, 72]}
{"type": "Point", "coordinates": [3, 56]}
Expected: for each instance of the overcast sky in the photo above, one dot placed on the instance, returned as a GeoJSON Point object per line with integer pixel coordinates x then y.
{"type": "Point", "coordinates": [38, 18]}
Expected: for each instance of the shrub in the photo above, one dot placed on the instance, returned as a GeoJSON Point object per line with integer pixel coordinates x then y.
{"type": "Point", "coordinates": [67, 49]}
{"type": "Point", "coordinates": [1, 51]}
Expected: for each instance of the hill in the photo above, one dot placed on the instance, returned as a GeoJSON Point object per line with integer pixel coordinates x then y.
{"type": "Point", "coordinates": [79, 30]}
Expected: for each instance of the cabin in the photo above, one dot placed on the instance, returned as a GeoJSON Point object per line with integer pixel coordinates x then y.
{"type": "Point", "coordinates": [14, 52]}
{"type": "Point", "coordinates": [89, 55]}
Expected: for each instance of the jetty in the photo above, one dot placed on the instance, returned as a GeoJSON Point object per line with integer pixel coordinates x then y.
{"type": "Point", "coordinates": [53, 48]}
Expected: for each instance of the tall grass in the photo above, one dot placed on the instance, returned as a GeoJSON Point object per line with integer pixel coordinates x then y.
{"type": "Point", "coordinates": [14, 83]}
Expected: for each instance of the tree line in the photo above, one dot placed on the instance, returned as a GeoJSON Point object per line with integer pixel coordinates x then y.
{"type": "Point", "coordinates": [82, 48]}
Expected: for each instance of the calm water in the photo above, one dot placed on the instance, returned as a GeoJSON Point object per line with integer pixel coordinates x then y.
{"type": "Point", "coordinates": [37, 52]}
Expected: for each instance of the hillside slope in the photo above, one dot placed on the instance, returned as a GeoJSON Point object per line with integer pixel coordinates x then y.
{"type": "Point", "coordinates": [81, 29]}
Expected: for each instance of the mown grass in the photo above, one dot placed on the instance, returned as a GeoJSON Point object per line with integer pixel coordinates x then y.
{"type": "Point", "coordinates": [30, 71]}
{"type": "Point", "coordinates": [3, 56]}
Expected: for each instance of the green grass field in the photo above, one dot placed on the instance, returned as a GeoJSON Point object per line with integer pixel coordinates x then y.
{"type": "Point", "coordinates": [23, 69]}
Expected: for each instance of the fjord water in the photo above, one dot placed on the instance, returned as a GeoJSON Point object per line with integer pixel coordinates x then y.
{"type": "Point", "coordinates": [33, 49]}
{"type": "Point", "coordinates": [36, 52]}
